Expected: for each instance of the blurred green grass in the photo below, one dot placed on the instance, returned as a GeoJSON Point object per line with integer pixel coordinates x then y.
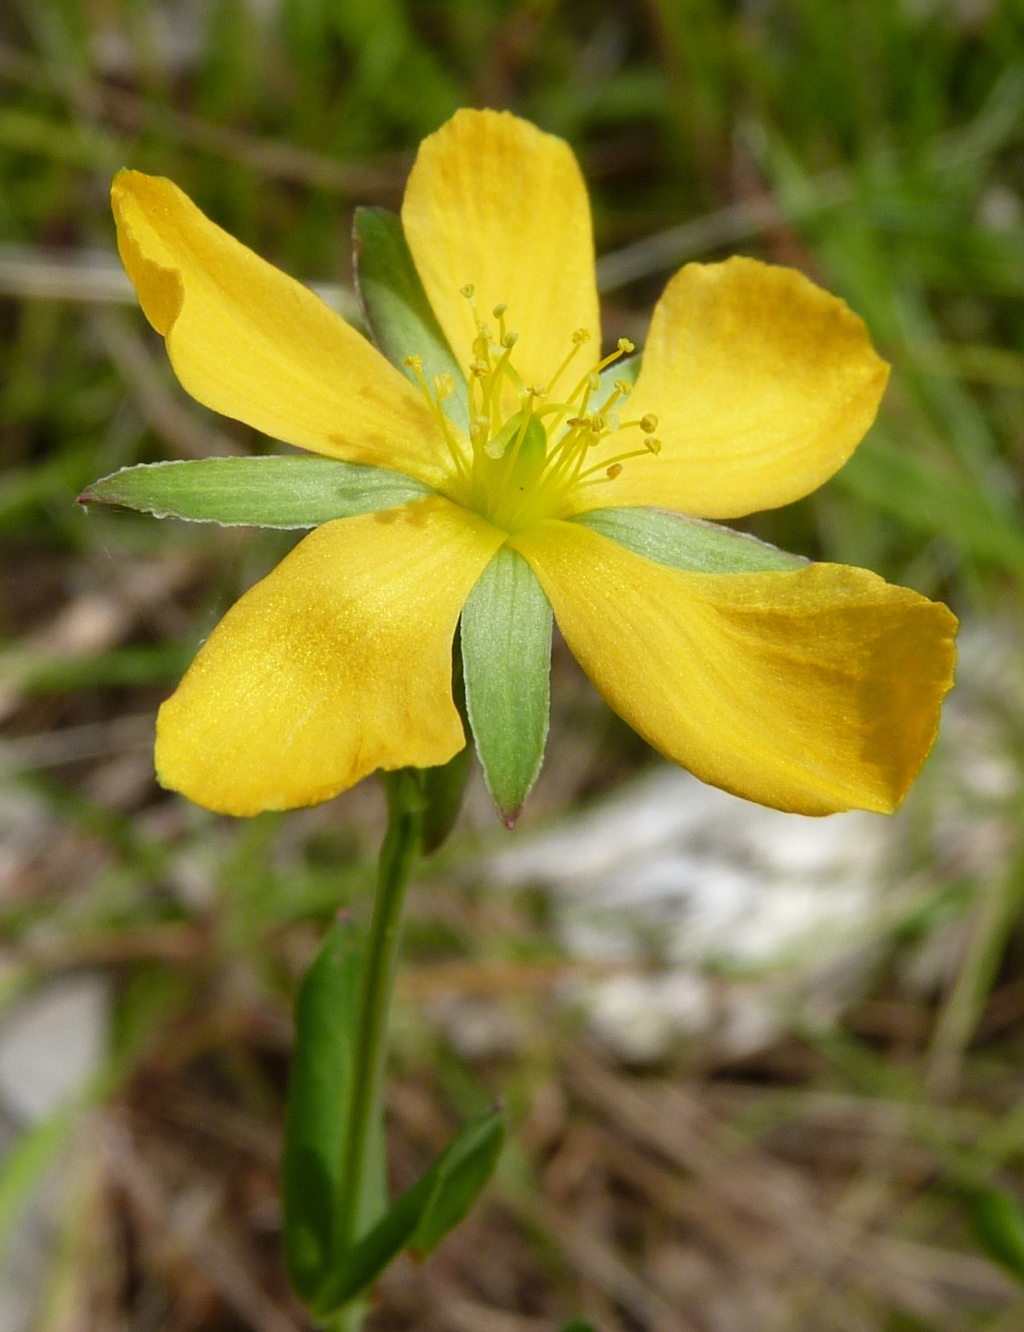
{"type": "Point", "coordinates": [877, 144]}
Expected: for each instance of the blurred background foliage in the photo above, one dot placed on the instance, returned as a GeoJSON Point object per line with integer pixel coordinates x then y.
{"type": "Point", "coordinates": [876, 144]}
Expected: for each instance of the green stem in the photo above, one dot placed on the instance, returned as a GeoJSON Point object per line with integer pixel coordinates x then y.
{"type": "Point", "coordinates": [397, 858]}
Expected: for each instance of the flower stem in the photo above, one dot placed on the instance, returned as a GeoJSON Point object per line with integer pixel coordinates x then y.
{"type": "Point", "coordinates": [397, 857]}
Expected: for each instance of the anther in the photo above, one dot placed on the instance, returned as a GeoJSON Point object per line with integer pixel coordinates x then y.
{"type": "Point", "coordinates": [499, 310]}
{"type": "Point", "coordinates": [444, 386]}
{"type": "Point", "coordinates": [509, 339]}
{"type": "Point", "coordinates": [625, 346]}
{"type": "Point", "coordinates": [480, 368]}
{"type": "Point", "coordinates": [469, 291]}
{"type": "Point", "coordinates": [649, 423]}
{"type": "Point", "coordinates": [414, 362]}
{"type": "Point", "coordinates": [581, 336]}
{"type": "Point", "coordinates": [626, 388]}
{"type": "Point", "coordinates": [594, 381]}
{"type": "Point", "coordinates": [614, 471]}
{"type": "Point", "coordinates": [653, 445]}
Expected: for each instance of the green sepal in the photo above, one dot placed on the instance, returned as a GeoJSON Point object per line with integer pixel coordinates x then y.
{"type": "Point", "coordinates": [506, 654]}
{"type": "Point", "coordinates": [688, 543]}
{"type": "Point", "coordinates": [445, 786]}
{"type": "Point", "coordinates": [398, 313]}
{"type": "Point", "coordinates": [424, 1214]}
{"type": "Point", "coordinates": [319, 1086]}
{"type": "Point", "coordinates": [999, 1228]}
{"type": "Point", "coordinates": [262, 491]}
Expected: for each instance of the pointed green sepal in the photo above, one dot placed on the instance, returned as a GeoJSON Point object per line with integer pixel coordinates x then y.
{"type": "Point", "coordinates": [688, 543]}
{"type": "Point", "coordinates": [506, 653]}
{"type": "Point", "coordinates": [397, 310]}
{"type": "Point", "coordinates": [321, 1076]}
{"type": "Point", "coordinates": [424, 1214]}
{"type": "Point", "coordinates": [263, 491]}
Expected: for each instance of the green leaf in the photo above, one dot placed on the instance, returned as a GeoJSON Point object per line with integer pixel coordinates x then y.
{"type": "Point", "coordinates": [370, 1256]}
{"type": "Point", "coordinates": [264, 491]}
{"type": "Point", "coordinates": [445, 786]}
{"type": "Point", "coordinates": [999, 1228]}
{"type": "Point", "coordinates": [321, 1076]}
{"type": "Point", "coordinates": [687, 543]}
{"type": "Point", "coordinates": [462, 1170]}
{"type": "Point", "coordinates": [424, 1214]}
{"type": "Point", "coordinates": [579, 1325]}
{"type": "Point", "coordinates": [397, 310]}
{"type": "Point", "coordinates": [506, 653]}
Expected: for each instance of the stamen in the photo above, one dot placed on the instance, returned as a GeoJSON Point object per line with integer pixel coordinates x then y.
{"type": "Point", "coordinates": [444, 384]}
{"type": "Point", "coordinates": [580, 336]}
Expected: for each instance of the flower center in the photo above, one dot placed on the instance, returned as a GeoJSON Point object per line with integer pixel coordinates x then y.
{"type": "Point", "coordinates": [529, 445]}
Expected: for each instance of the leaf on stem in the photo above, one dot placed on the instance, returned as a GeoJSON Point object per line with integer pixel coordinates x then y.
{"type": "Point", "coordinates": [425, 1213]}
{"type": "Point", "coordinates": [321, 1076]}
{"type": "Point", "coordinates": [999, 1228]}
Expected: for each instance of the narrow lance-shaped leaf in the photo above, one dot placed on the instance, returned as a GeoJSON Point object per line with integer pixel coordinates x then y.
{"type": "Point", "coordinates": [320, 1082]}
{"type": "Point", "coordinates": [506, 652]}
{"type": "Point", "coordinates": [463, 1169]}
{"type": "Point", "coordinates": [999, 1227]}
{"type": "Point", "coordinates": [688, 543]}
{"type": "Point", "coordinates": [264, 491]}
{"type": "Point", "coordinates": [400, 317]}
{"type": "Point", "coordinates": [424, 1214]}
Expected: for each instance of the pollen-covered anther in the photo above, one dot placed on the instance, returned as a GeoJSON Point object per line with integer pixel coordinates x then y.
{"type": "Point", "coordinates": [414, 362]}
{"type": "Point", "coordinates": [648, 423]}
{"type": "Point", "coordinates": [580, 336]}
{"type": "Point", "coordinates": [625, 388]}
{"type": "Point", "coordinates": [612, 472]}
{"type": "Point", "coordinates": [625, 346]}
{"type": "Point", "coordinates": [653, 445]}
{"type": "Point", "coordinates": [509, 339]}
{"type": "Point", "coordinates": [500, 309]}
{"type": "Point", "coordinates": [469, 291]}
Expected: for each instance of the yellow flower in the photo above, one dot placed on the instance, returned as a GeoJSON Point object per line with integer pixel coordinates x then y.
{"type": "Point", "coordinates": [814, 689]}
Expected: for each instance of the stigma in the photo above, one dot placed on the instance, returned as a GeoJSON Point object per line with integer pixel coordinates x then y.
{"type": "Point", "coordinates": [530, 447]}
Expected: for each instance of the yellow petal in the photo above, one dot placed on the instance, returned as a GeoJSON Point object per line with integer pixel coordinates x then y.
{"type": "Point", "coordinates": [811, 691]}
{"type": "Point", "coordinates": [763, 385]}
{"type": "Point", "coordinates": [336, 664]}
{"type": "Point", "coordinates": [252, 343]}
{"type": "Point", "coordinates": [494, 202]}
